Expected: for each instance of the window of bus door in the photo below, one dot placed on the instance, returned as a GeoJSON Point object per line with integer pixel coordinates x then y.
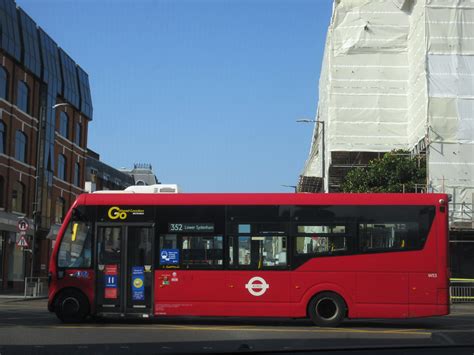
{"type": "Point", "coordinates": [109, 245]}
{"type": "Point", "coordinates": [75, 250]}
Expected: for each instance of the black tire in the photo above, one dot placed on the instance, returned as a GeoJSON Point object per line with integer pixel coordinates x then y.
{"type": "Point", "coordinates": [72, 306]}
{"type": "Point", "coordinates": [327, 309]}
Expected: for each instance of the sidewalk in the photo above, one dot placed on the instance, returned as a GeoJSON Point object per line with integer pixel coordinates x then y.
{"type": "Point", "coordinates": [462, 307]}
{"type": "Point", "coordinates": [4, 298]}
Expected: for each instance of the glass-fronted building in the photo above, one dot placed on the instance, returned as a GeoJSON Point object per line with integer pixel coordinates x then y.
{"type": "Point", "coordinates": [42, 144]}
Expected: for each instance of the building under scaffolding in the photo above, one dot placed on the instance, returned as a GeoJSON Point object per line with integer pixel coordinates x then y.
{"type": "Point", "coordinates": [398, 75]}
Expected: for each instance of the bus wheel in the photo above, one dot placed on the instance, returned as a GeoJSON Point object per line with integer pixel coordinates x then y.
{"type": "Point", "coordinates": [327, 309]}
{"type": "Point", "coordinates": [72, 306]}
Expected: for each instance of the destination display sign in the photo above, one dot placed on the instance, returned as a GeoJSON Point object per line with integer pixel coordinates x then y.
{"type": "Point", "coordinates": [191, 227]}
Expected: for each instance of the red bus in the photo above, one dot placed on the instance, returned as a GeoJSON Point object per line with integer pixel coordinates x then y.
{"type": "Point", "coordinates": [322, 256]}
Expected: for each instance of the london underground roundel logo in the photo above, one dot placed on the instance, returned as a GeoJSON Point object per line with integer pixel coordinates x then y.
{"type": "Point", "coordinates": [257, 286]}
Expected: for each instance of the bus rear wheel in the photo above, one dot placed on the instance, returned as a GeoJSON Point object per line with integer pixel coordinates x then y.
{"type": "Point", "coordinates": [327, 309]}
{"type": "Point", "coordinates": [72, 306]}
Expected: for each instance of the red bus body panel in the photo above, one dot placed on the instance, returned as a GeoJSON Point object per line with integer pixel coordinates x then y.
{"type": "Point", "coordinates": [386, 285]}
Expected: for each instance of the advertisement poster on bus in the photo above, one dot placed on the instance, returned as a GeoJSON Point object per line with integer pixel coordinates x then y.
{"type": "Point", "coordinates": [169, 257]}
{"type": "Point", "coordinates": [138, 283]}
{"type": "Point", "coordinates": [110, 281]}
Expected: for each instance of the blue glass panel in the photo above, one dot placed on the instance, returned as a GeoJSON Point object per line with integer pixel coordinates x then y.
{"type": "Point", "coordinates": [31, 51]}
{"type": "Point", "coordinates": [86, 101]}
{"type": "Point", "coordinates": [10, 33]}
{"type": "Point", "coordinates": [70, 85]}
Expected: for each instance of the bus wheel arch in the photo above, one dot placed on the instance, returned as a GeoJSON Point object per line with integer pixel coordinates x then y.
{"type": "Point", "coordinates": [327, 309]}
{"type": "Point", "coordinates": [71, 305]}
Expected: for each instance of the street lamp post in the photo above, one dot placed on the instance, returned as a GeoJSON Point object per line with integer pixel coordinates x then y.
{"type": "Point", "coordinates": [318, 123]}
{"type": "Point", "coordinates": [59, 105]}
{"type": "Point", "coordinates": [291, 186]}
{"type": "Point", "coordinates": [39, 170]}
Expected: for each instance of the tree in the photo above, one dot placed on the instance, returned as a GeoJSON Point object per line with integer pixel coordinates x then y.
{"type": "Point", "coordinates": [396, 171]}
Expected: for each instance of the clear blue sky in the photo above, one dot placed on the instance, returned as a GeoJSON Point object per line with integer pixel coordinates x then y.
{"type": "Point", "coordinates": [207, 91]}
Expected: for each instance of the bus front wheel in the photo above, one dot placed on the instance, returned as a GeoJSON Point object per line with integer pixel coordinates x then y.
{"type": "Point", "coordinates": [327, 309]}
{"type": "Point", "coordinates": [72, 306]}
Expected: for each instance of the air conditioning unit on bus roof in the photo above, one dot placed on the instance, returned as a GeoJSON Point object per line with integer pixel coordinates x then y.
{"type": "Point", "coordinates": [145, 189]}
{"type": "Point", "coordinates": [154, 189]}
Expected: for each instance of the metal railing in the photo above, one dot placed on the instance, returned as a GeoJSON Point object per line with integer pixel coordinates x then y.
{"type": "Point", "coordinates": [461, 212]}
{"type": "Point", "coordinates": [461, 290]}
{"type": "Point", "coordinates": [36, 287]}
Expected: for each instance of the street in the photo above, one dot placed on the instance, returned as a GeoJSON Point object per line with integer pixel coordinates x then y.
{"type": "Point", "coordinates": [26, 326]}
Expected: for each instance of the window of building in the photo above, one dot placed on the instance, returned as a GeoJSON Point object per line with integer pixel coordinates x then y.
{"type": "Point", "coordinates": [59, 215]}
{"type": "Point", "coordinates": [20, 146]}
{"type": "Point", "coordinates": [18, 197]}
{"type": "Point", "coordinates": [94, 174]}
{"type": "Point", "coordinates": [62, 167]}
{"type": "Point", "coordinates": [22, 96]}
{"type": "Point", "coordinates": [105, 182]}
{"type": "Point", "coordinates": [78, 134]}
{"type": "Point", "coordinates": [77, 174]}
{"type": "Point", "coordinates": [63, 124]}
{"type": "Point", "coordinates": [2, 192]}
{"type": "Point", "coordinates": [3, 83]}
{"type": "Point", "coordinates": [2, 137]}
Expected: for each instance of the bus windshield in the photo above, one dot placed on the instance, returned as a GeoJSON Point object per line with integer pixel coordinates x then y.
{"type": "Point", "coordinates": [75, 248]}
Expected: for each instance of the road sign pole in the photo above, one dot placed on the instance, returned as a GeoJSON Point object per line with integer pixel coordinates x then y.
{"type": "Point", "coordinates": [33, 245]}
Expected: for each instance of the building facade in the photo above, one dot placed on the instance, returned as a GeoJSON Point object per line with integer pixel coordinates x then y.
{"type": "Point", "coordinates": [100, 176]}
{"type": "Point", "coordinates": [45, 108]}
{"type": "Point", "coordinates": [142, 174]}
{"type": "Point", "coordinates": [398, 75]}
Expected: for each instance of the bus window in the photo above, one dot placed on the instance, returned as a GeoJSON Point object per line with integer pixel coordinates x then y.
{"type": "Point", "coordinates": [321, 239]}
{"type": "Point", "coordinates": [169, 241]}
{"type": "Point", "coordinates": [388, 236]}
{"type": "Point", "coordinates": [75, 249]}
{"type": "Point", "coordinates": [202, 251]}
{"type": "Point", "coordinates": [258, 252]}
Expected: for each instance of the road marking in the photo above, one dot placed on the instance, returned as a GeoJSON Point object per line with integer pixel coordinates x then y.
{"type": "Point", "coordinates": [246, 329]}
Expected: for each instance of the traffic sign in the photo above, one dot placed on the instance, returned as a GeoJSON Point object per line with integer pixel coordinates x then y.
{"type": "Point", "coordinates": [23, 225]}
{"type": "Point", "coordinates": [22, 242]}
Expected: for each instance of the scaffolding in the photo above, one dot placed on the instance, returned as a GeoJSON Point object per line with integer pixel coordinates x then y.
{"type": "Point", "coordinates": [398, 75]}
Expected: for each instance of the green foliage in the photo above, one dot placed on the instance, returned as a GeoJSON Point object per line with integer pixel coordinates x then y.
{"type": "Point", "coordinates": [396, 171]}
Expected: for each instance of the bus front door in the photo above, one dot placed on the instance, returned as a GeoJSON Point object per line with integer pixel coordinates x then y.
{"type": "Point", "coordinates": [124, 270]}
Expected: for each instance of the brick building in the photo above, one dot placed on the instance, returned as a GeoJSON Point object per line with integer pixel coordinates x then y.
{"type": "Point", "coordinates": [45, 108]}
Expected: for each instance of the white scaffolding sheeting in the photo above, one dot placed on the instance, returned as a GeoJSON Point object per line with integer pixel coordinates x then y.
{"type": "Point", "coordinates": [450, 58]}
{"type": "Point", "coordinates": [396, 73]}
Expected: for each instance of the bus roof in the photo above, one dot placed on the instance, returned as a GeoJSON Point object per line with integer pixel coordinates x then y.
{"type": "Point", "coordinates": [261, 199]}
